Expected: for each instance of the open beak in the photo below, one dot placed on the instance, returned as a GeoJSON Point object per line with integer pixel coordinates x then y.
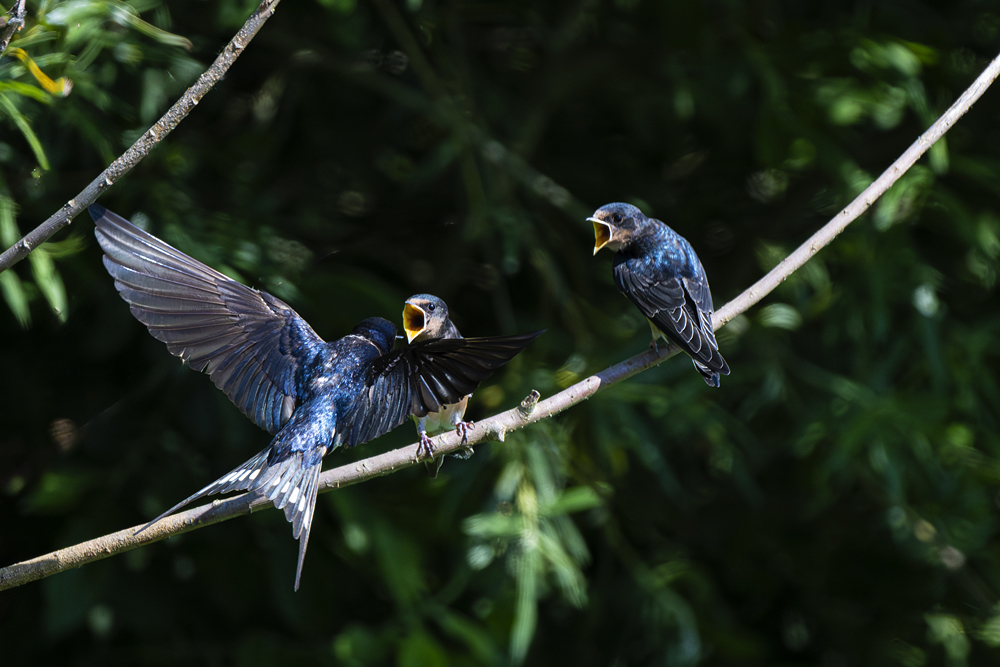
{"type": "Point", "coordinates": [602, 233]}
{"type": "Point", "coordinates": [413, 321]}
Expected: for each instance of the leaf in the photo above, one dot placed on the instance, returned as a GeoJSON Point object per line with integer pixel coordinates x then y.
{"type": "Point", "coordinates": [568, 574]}
{"type": "Point", "coordinates": [8, 230]}
{"type": "Point", "coordinates": [17, 300]}
{"type": "Point", "coordinates": [25, 127]}
{"type": "Point", "coordinates": [418, 649]}
{"type": "Point", "coordinates": [123, 15]}
{"type": "Point", "coordinates": [24, 90]}
{"type": "Point", "coordinates": [61, 86]}
{"type": "Point", "coordinates": [947, 630]}
{"type": "Point", "coordinates": [492, 525]}
{"type": "Point", "coordinates": [526, 610]}
{"type": "Point", "coordinates": [904, 198]}
{"type": "Point", "coordinates": [989, 632]}
{"type": "Point", "coordinates": [475, 637]}
{"type": "Point", "coordinates": [780, 316]}
{"type": "Point", "coordinates": [49, 281]}
{"type": "Point", "coordinates": [576, 499]}
{"type": "Point", "coordinates": [10, 284]}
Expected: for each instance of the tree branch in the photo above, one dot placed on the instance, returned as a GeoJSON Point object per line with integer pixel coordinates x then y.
{"type": "Point", "coordinates": [531, 410]}
{"type": "Point", "coordinates": [12, 24]}
{"type": "Point", "coordinates": [862, 202]}
{"type": "Point", "coordinates": [145, 143]}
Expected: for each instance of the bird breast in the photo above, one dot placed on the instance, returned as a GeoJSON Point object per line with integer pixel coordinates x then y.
{"type": "Point", "coordinates": [444, 419]}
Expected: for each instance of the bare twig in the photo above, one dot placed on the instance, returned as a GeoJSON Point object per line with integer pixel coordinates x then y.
{"type": "Point", "coordinates": [862, 202]}
{"type": "Point", "coordinates": [14, 22]}
{"type": "Point", "coordinates": [146, 142]}
{"type": "Point", "coordinates": [531, 410]}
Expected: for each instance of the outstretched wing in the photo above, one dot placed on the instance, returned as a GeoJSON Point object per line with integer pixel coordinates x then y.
{"type": "Point", "coordinates": [422, 378]}
{"type": "Point", "coordinates": [679, 307]}
{"type": "Point", "coordinates": [243, 339]}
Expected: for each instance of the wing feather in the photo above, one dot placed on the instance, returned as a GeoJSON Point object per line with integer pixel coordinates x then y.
{"type": "Point", "coordinates": [423, 377]}
{"type": "Point", "coordinates": [241, 337]}
{"type": "Point", "coordinates": [680, 308]}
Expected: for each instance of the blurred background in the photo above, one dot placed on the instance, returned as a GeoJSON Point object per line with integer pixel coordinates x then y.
{"type": "Point", "coordinates": [834, 503]}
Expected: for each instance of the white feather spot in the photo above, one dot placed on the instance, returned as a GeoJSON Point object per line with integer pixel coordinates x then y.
{"type": "Point", "coordinates": [254, 474]}
{"type": "Point", "coordinates": [244, 475]}
{"type": "Point", "coordinates": [285, 487]}
{"type": "Point", "coordinates": [294, 495]}
{"type": "Point", "coordinates": [302, 503]}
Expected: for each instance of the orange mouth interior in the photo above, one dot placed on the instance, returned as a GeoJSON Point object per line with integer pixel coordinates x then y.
{"type": "Point", "coordinates": [413, 321]}
{"type": "Point", "coordinates": [602, 235]}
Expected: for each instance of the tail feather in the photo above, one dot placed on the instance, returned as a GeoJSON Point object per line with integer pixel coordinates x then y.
{"type": "Point", "coordinates": [291, 484]}
{"type": "Point", "coordinates": [711, 376]}
{"type": "Point", "coordinates": [300, 514]}
{"type": "Point", "coordinates": [239, 479]}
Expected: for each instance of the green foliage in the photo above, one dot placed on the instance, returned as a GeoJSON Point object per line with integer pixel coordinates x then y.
{"type": "Point", "coordinates": [833, 503]}
{"type": "Point", "coordinates": [71, 37]}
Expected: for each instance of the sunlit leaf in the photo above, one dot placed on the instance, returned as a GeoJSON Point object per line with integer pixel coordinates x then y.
{"type": "Point", "coordinates": [124, 15]}
{"type": "Point", "coordinates": [24, 126]}
{"type": "Point", "coordinates": [25, 90]}
{"type": "Point", "coordinates": [13, 294]}
{"type": "Point", "coordinates": [61, 86]}
{"type": "Point", "coordinates": [780, 316]}
{"type": "Point", "coordinates": [576, 499]}
{"type": "Point", "coordinates": [49, 281]}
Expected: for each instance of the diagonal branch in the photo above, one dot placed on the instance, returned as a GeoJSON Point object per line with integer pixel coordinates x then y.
{"type": "Point", "coordinates": [12, 23]}
{"type": "Point", "coordinates": [145, 143]}
{"type": "Point", "coordinates": [531, 409]}
{"type": "Point", "coordinates": [862, 202]}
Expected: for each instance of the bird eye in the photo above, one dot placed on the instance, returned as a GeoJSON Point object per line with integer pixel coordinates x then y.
{"type": "Point", "coordinates": [430, 307]}
{"type": "Point", "coordinates": [616, 218]}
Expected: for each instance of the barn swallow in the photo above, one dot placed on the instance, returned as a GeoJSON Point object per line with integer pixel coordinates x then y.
{"type": "Point", "coordinates": [312, 396]}
{"type": "Point", "coordinates": [658, 270]}
{"type": "Point", "coordinates": [425, 317]}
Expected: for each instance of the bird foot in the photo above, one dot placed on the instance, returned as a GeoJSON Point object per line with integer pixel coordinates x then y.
{"type": "Point", "coordinates": [655, 346]}
{"type": "Point", "coordinates": [463, 429]}
{"type": "Point", "coordinates": [425, 448]}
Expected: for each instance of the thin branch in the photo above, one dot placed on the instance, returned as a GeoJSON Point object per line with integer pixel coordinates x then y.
{"type": "Point", "coordinates": [862, 202]}
{"type": "Point", "coordinates": [12, 24]}
{"type": "Point", "coordinates": [531, 409]}
{"type": "Point", "coordinates": [145, 143]}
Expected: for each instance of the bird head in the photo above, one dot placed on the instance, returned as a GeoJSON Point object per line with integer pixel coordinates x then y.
{"type": "Point", "coordinates": [614, 225]}
{"type": "Point", "coordinates": [424, 316]}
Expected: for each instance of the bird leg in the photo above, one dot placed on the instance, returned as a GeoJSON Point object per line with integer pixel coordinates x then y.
{"type": "Point", "coordinates": [463, 429]}
{"type": "Point", "coordinates": [425, 448]}
{"type": "Point", "coordinates": [654, 344]}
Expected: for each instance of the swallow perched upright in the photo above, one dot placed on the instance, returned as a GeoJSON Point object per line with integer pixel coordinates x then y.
{"type": "Point", "coordinates": [658, 270]}
{"type": "Point", "coordinates": [425, 318]}
{"type": "Point", "coordinates": [312, 396]}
